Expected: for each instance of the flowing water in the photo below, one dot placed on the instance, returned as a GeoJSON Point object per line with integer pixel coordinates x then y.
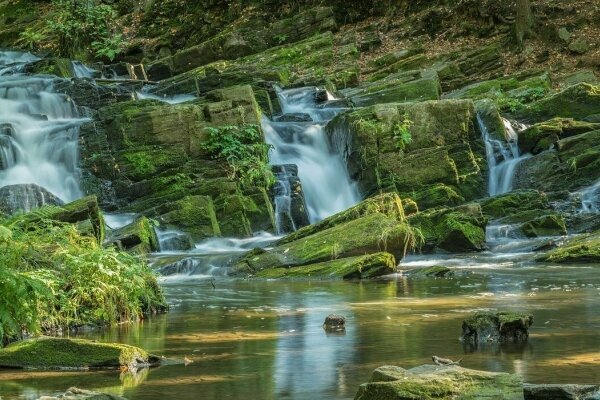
{"type": "Point", "coordinates": [503, 158]}
{"type": "Point", "coordinates": [263, 340]}
{"type": "Point", "coordinates": [326, 184]}
{"type": "Point", "coordinates": [39, 131]}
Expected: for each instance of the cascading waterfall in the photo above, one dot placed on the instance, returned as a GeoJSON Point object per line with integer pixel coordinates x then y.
{"type": "Point", "coordinates": [590, 199]}
{"type": "Point", "coordinates": [80, 70]}
{"type": "Point", "coordinates": [503, 158]}
{"type": "Point", "coordinates": [326, 184]}
{"type": "Point", "coordinates": [39, 131]}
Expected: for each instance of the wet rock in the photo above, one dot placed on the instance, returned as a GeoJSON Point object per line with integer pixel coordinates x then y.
{"type": "Point", "coordinates": [501, 327]}
{"type": "Point", "coordinates": [294, 117]}
{"type": "Point", "coordinates": [440, 382]}
{"type": "Point", "coordinates": [459, 229]}
{"type": "Point", "coordinates": [81, 394]}
{"type": "Point", "coordinates": [321, 96]}
{"type": "Point", "coordinates": [139, 237]}
{"type": "Point", "coordinates": [25, 197]}
{"type": "Point", "coordinates": [59, 353]}
{"type": "Point", "coordinates": [176, 241]}
{"type": "Point", "coordinates": [290, 206]}
{"type": "Point", "coordinates": [546, 225]}
{"type": "Point", "coordinates": [561, 392]}
{"type": "Point", "coordinates": [436, 271]}
{"type": "Point", "coordinates": [362, 267]}
{"type": "Point", "coordinates": [577, 249]}
{"type": "Point", "coordinates": [334, 322]}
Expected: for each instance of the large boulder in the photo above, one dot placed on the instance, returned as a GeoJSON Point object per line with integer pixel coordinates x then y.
{"type": "Point", "coordinates": [57, 353]}
{"type": "Point", "coordinates": [577, 102]}
{"type": "Point", "coordinates": [25, 197]}
{"type": "Point", "coordinates": [411, 147]}
{"type": "Point", "coordinates": [139, 237]}
{"type": "Point", "coordinates": [440, 382]}
{"type": "Point", "coordinates": [501, 327]}
{"type": "Point", "coordinates": [459, 229]}
{"type": "Point", "coordinates": [577, 249]}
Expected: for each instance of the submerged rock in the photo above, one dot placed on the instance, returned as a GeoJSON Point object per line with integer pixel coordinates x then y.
{"type": "Point", "coordinates": [435, 271]}
{"type": "Point", "coordinates": [59, 353]}
{"type": "Point", "coordinates": [294, 117]}
{"type": "Point", "coordinates": [334, 322]}
{"type": "Point", "coordinates": [81, 394]}
{"type": "Point", "coordinates": [502, 327]}
{"type": "Point", "coordinates": [25, 197]}
{"type": "Point", "coordinates": [561, 392]}
{"type": "Point", "coordinates": [440, 382]}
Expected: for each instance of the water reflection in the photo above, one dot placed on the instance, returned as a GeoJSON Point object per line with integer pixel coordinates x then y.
{"type": "Point", "coordinates": [264, 340]}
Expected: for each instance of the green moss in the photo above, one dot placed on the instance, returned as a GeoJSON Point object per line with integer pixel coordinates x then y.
{"type": "Point", "coordinates": [578, 249]}
{"type": "Point", "coordinates": [513, 203]}
{"type": "Point", "coordinates": [195, 214]}
{"type": "Point", "coordinates": [364, 267]}
{"type": "Point", "coordinates": [437, 195]}
{"type": "Point", "coordinates": [56, 353]}
{"type": "Point", "coordinates": [435, 271]}
{"type": "Point", "coordinates": [546, 225]}
{"type": "Point", "coordinates": [542, 136]}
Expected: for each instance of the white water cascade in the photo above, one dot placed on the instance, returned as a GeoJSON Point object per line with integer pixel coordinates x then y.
{"type": "Point", "coordinates": [326, 184]}
{"type": "Point", "coordinates": [590, 199]}
{"type": "Point", "coordinates": [39, 131]}
{"type": "Point", "coordinates": [503, 158]}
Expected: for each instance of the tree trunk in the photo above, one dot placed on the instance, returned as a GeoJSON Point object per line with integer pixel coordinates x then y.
{"type": "Point", "coordinates": [524, 22]}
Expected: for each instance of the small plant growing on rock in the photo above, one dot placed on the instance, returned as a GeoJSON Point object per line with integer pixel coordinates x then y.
{"type": "Point", "coordinates": [401, 132]}
{"type": "Point", "coordinates": [245, 152]}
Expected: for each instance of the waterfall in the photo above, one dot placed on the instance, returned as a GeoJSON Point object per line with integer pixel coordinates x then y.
{"type": "Point", "coordinates": [39, 131]}
{"type": "Point", "coordinates": [80, 70]}
{"type": "Point", "coordinates": [590, 199]}
{"type": "Point", "coordinates": [298, 137]}
{"type": "Point", "coordinates": [503, 158]}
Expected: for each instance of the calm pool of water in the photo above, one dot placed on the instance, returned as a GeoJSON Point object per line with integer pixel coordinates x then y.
{"type": "Point", "coordinates": [264, 340]}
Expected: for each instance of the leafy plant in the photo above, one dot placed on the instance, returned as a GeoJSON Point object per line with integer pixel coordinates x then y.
{"type": "Point", "coordinates": [81, 25]}
{"type": "Point", "coordinates": [53, 278]}
{"type": "Point", "coordinates": [244, 150]}
{"type": "Point", "coordinates": [32, 37]}
{"type": "Point", "coordinates": [401, 132]}
{"type": "Point", "coordinates": [280, 38]}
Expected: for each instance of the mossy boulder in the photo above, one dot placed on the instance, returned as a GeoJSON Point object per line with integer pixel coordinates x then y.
{"type": "Point", "coordinates": [61, 67]}
{"type": "Point", "coordinates": [515, 202]}
{"type": "Point", "coordinates": [501, 327]}
{"type": "Point", "coordinates": [362, 267]}
{"type": "Point", "coordinates": [139, 237]}
{"type": "Point", "coordinates": [427, 88]}
{"type": "Point", "coordinates": [369, 234]}
{"type": "Point", "coordinates": [440, 382]}
{"type": "Point", "coordinates": [443, 147]}
{"type": "Point", "coordinates": [544, 135]}
{"type": "Point", "coordinates": [546, 225]}
{"type": "Point", "coordinates": [460, 229]}
{"type": "Point", "coordinates": [195, 215]}
{"type": "Point", "coordinates": [577, 102]}
{"type": "Point", "coordinates": [58, 353]}
{"type": "Point", "coordinates": [388, 204]}
{"type": "Point", "coordinates": [578, 249]}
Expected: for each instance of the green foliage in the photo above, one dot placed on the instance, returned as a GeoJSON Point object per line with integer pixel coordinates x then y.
{"type": "Point", "coordinates": [81, 25]}
{"type": "Point", "coordinates": [401, 133]}
{"type": "Point", "coordinates": [244, 150]}
{"type": "Point", "coordinates": [280, 38]}
{"type": "Point", "coordinates": [53, 278]}
{"type": "Point", "coordinates": [32, 37]}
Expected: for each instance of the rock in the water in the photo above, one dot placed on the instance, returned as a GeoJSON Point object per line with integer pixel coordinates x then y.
{"type": "Point", "coordinates": [294, 117]}
{"type": "Point", "coordinates": [502, 327]}
{"type": "Point", "coordinates": [25, 197]}
{"type": "Point", "coordinates": [561, 392]}
{"type": "Point", "coordinates": [435, 271]}
{"type": "Point", "coordinates": [440, 382]}
{"type": "Point", "coordinates": [321, 96]}
{"type": "Point", "coordinates": [81, 394]}
{"type": "Point", "coordinates": [577, 249]}
{"type": "Point", "coordinates": [58, 353]}
{"type": "Point", "coordinates": [334, 322]}
{"type": "Point", "coordinates": [138, 237]}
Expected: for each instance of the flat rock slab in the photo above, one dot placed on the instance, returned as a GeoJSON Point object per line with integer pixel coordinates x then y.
{"type": "Point", "coordinates": [561, 392]}
{"type": "Point", "coordinates": [440, 382]}
{"type": "Point", "coordinates": [80, 394]}
{"type": "Point", "coordinates": [78, 354]}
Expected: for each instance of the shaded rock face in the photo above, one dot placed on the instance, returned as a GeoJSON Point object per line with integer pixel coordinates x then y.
{"type": "Point", "coordinates": [502, 327]}
{"type": "Point", "coordinates": [25, 197]}
{"type": "Point", "coordinates": [139, 237]}
{"type": "Point", "coordinates": [439, 382]}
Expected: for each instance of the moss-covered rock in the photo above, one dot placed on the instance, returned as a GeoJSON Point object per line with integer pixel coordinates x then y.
{"type": "Point", "coordinates": [362, 267]}
{"type": "Point", "coordinates": [427, 88]}
{"type": "Point", "coordinates": [440, 382]}
{"type": "Point", "coordinates": [546, 225]}
{"type": "Point", "coordinates": [577, 102]}
{"type": "Point", "coordinates": [195, 215]}
{"type": "Point", "coordinates": [82, 394]}
{"type": "Point", "coordinates": [577, 249]}
{"type": "Point", "coordinates": [371, 233]}
{"type": "Point", "coordinates": [413, 146]}
{"type": "Point", "coordinates": [496, 327]}
{"type": "Point", "coordinates": [544, 135]}
{"type": "Point", "coordinates": [138, 237]}
{"type": "Point", "coordinates": [61, 67]}
{"type": "Point", "coordinates": [58, 353]}
{"type": "Point", "coordinates": [460, 229]}
{"type": "Point", "coordinates": [388, 204]}
{"type": "Point", "coordinates": [514, 203]}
